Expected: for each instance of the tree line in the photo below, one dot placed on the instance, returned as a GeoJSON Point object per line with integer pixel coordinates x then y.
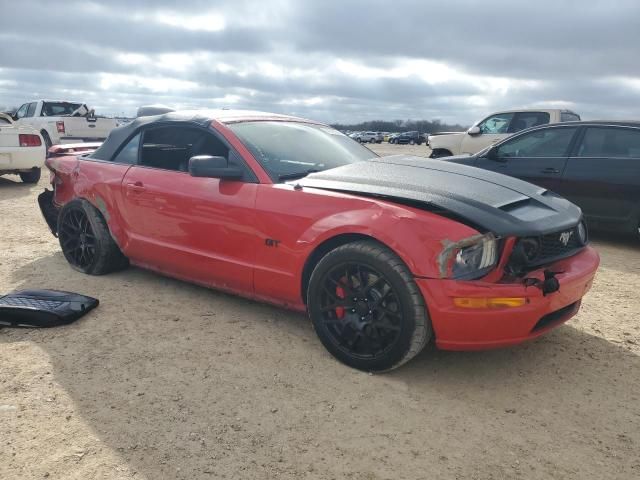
{"type": "Point", "coordinates": [422, 126]}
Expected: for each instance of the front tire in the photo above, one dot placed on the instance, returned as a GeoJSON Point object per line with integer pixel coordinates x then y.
{"type": "Point", "coordinates": [366, 307]}
{"type": "Point", "coordinates": [440, 153]}
{"type": "Point", "coordinates": [32, 176]}
{"type": "Point", "coordinates": [86, 241]}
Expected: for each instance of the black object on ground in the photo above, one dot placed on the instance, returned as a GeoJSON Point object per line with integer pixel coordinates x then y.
{"type": "Point", "coordinates": [43, 308]}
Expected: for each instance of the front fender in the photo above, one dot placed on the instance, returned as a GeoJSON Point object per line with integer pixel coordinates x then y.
{"type": "Point", "coordinates": [416, 236]}
{"type": "Point", "coordinates": [451, 142]}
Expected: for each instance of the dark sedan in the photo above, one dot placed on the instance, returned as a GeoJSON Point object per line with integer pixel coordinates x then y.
{"type": "Point", "coordinates": [594, 164]}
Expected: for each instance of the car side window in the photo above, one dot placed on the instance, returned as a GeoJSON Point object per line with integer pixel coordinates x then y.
{"type": "Point", "coordinates": [129, 153]}
{"type": "Point", "coordinates": [170, 147]}
{"type": "Point", "coordinates": [610, 142]}
{"type": "Point", "coordinates": [523, 120]}
{"type": "Point", "coordinates": [31, 109]}
{"type": "Point", "coordinates": [22, 111]}
{"type": "Point", "coordinates": [498, 123]}
{"type": "Point", "coordinates": [551, 142]}
{"type": "Point", "coordinates": [569, 117]}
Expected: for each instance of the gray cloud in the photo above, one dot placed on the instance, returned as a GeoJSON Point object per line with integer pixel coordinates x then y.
{"type": "Point", "coordinates": [337, 61]}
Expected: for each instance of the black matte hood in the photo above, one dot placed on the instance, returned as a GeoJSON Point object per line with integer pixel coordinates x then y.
{"type": "Point", "coordinates": [494, 202]}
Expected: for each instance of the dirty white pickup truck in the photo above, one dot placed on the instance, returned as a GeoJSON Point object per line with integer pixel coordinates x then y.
{"type": "Point", "coordinates": [492, 129]}
{"type": "Point", "coordinates": [21, 150]}
{"type": "Point", "coordinates": [64, 122]}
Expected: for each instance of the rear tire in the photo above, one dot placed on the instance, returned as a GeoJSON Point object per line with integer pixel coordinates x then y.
{"type": "Point", "coordinates": [86, 241]}
{"type": "Point", "coordinates": [32, 176]}
{"type": "Point", "coordinates": [366, 307]}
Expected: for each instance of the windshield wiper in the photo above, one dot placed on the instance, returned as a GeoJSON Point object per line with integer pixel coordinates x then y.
{"type": "Point", "coordinates": [291, 176]}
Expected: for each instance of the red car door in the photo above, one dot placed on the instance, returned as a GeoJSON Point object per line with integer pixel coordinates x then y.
{"type": "Point", "coordinates": [197, 229]}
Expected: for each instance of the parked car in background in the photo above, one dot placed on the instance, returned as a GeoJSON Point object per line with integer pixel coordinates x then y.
{"type": "Point", "coordinates": [22, 150]}
{"type": "Point", "coordinates": [594, 164]}
{"type": "Point", "coordinates": [411, 138]}
{"type": "Point", "coordinates": [492, 129]}
{"type": "Point", "coordinates": [368, 137]}
{"type": "Point", "coordinates": [290, 211]}
{"type": "Point", "coordinates": [64, 122]}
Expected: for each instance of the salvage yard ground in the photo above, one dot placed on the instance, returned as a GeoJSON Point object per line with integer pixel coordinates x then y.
{"type": "Point", "coordinates": [168, 380]}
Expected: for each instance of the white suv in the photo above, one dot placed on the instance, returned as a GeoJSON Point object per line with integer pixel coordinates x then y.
{"type": "Point", "coordinates": [492, 129]}
{"type": "Point", "coordinates": [368, 137]}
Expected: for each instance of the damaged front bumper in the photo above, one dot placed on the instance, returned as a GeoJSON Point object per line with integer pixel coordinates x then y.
{"type": "Point", "coordinates": [49, 210]}
{"type": "Point", "coordinates": [459, 328]}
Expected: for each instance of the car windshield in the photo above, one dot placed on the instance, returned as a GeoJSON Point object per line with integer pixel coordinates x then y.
{"type": "Point", "coordinates": [289, 150]}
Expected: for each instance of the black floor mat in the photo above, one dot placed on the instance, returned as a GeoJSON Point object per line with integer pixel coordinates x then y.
{"type": "Point", "coordinates": [43, 308]}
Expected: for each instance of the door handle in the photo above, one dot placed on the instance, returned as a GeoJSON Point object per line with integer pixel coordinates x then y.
{"type": "Point", "coordinates": [136, 187]}
{"type": "Point", "coordinates": [550, 170]}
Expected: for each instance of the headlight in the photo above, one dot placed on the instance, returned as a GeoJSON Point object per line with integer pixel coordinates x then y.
{"type": "Point", "coordinates": [583, 237]}
{"type": "Point", "coordinates": [470, 258]}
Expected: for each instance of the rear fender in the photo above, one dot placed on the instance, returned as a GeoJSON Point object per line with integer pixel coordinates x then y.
{"type": "Point", "coordinates": [99, 184]}
{"type": "Point", "coordinates": [64, 170]}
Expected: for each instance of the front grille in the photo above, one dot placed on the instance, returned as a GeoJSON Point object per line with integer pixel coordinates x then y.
{"type": "Point", "coordinates": [532, 252]}
{"type": "Point", "coordinates": [552, 247]}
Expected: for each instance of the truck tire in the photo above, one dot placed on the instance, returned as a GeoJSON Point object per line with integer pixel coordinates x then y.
{"type": "Point", "coordinates": [86, 241]}
{"type": "Point", "coordinates": [366, 308]}
{"type": "Point", "coordinates": [439, 153]}
{"type": "Point", "coordinates": [32, 176]}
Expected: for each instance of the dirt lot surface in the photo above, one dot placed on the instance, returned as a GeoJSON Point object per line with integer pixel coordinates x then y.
{"type": "Point", "coordinates": [167, 380]}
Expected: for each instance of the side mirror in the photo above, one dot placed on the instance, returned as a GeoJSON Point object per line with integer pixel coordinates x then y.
{"type": "Point", "coordinates": [474, 131]}
{"type": "Point", "coordinates": [213, 167]}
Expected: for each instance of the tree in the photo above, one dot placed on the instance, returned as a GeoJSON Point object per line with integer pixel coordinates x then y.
{"type": "Point", "coordinates": [422, 126]}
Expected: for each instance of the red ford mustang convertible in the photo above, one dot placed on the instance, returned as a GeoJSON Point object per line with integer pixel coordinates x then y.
{"type": "Point", "coordinates": [385, 253]}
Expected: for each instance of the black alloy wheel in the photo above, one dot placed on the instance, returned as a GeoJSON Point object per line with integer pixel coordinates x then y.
{"type": "Point", "coordinates": [366, 308]}
{"type": "Point", "coordinates": [86, 241]}
{"type": "Point", "coordinates": [362, 313]}
{"type": "Point", "coordinates": [77, 239]}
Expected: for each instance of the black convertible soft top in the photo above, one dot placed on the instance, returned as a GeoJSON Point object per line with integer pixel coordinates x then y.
{"type": "Point", "coordinates": [200, 118]}
{"type": "Point", "coordinates": [120, 134]}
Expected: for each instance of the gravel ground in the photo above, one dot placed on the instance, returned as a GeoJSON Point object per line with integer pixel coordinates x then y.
{"type": "Point", "coordinates": [168, 380]}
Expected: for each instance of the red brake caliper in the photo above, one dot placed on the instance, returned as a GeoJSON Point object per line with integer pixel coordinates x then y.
{"type": "Point", "coordinates": [340, 294]}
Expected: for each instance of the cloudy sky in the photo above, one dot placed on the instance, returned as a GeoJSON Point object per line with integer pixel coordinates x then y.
{"type": "Point", "coordinates": [335, 61]}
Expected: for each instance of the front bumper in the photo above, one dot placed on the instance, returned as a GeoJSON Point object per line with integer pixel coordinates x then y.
{"type": "Point", "coordinates": [479, 329]}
